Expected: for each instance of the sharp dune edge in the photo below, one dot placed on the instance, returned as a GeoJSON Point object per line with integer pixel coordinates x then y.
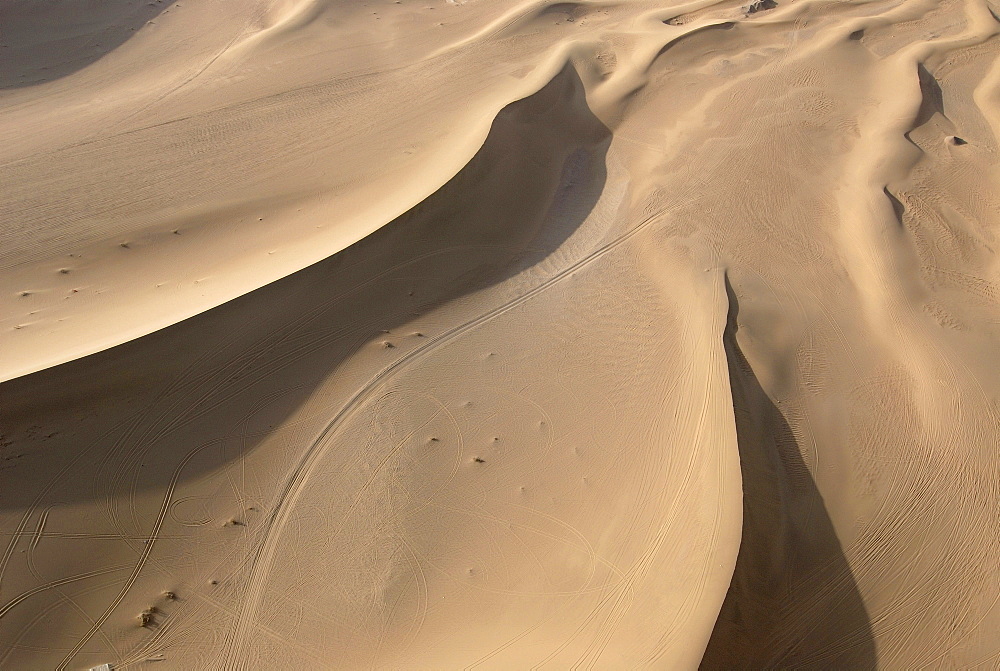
{"type": "Point", "coordinates": [501, 334]}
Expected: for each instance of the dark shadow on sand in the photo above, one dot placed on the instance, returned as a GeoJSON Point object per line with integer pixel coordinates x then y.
{"type": "Point", "coordinates": [931, 96]}
{"type": "Point", "coordinates": [43, 40]}
{"type": "Point", "coordinates": [150, 399]}
{"type": "Point", "coordinates": [793, 602]}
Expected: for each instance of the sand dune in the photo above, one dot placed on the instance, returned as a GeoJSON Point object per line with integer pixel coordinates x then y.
{"type": "Point", "coordinates": [499, 335]}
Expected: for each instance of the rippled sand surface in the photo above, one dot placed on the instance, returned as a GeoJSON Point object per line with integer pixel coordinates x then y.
{"type": "Point", "coordinates": [499, 334]}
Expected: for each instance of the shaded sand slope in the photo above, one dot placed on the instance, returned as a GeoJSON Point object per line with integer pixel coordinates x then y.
{"type": "Point", "coordinates": [507, 335]}
{"type": "Point", "coordinates": [793, 600]}
{"type": "Point", "coordinates": [43, 41]}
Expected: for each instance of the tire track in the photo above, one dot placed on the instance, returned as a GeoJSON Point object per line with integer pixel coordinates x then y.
{"type": "Point", "coordinates": [290, 491]}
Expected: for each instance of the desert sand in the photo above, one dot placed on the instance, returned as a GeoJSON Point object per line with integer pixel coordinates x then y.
{"type": "Point", "coordinates": [499, 334]}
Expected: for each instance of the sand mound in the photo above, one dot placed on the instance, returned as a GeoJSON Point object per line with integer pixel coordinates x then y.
{"type": "Point", "coordinates": [499, 335]}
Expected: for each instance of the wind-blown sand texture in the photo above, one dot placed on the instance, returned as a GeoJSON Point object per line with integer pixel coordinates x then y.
{"type": "Point", "coordinates": [499, 334]}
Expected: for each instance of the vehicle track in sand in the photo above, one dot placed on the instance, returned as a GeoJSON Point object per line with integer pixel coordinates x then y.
{"type": "Point", "coordinates": [233, 654]}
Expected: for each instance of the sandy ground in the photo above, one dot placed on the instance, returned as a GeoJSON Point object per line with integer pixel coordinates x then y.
{"type": "Point", "coordinates": [499, 334]}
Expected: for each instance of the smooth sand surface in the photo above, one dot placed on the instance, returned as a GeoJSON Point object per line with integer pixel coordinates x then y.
{"type": "Point", "coordinates": [499, 334]}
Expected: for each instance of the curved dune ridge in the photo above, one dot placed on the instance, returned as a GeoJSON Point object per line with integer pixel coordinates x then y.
{"type": "Point", "coordinates": [508, 334]}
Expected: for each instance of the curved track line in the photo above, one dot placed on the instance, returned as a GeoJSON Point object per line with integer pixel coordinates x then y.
{"type": "Point", "coordinates": [289, 493]}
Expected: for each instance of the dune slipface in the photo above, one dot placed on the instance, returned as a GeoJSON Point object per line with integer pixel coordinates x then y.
{"type": "Point", "coordinates": [500, 335]}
